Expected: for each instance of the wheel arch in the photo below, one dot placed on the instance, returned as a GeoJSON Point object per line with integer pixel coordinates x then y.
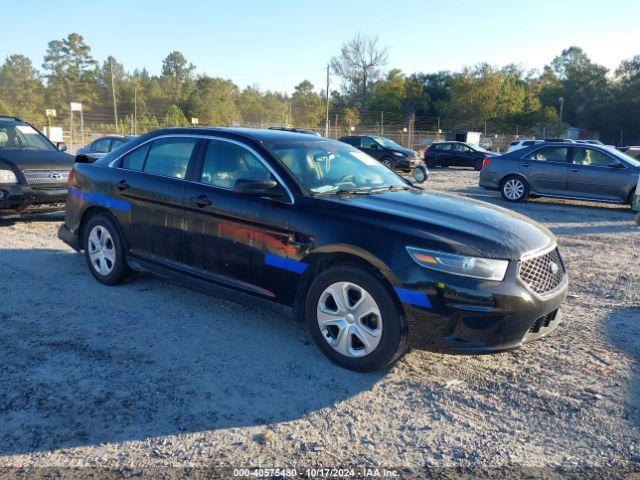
{"type": "Point", "coordinates": [91, 212]}
{"type": "Point", "coordinates": [330, 256]}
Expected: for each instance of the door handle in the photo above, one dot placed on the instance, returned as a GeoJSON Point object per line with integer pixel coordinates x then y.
{"type": "Point", "coordinates": [525, 164]}
{"type": "Point", "coordinates": [123, 185]}
{"type": "Point", "coordinates": [575, 169]}
{"type": "Point", "coordinates": [202, 201]}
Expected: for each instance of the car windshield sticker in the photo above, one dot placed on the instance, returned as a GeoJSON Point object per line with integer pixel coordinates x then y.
{"type": "Point", "coordinates": [364, 158]}
{"type": "Point", "coordinates": [28, 129]}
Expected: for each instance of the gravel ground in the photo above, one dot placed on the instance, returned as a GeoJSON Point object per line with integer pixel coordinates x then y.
{"type": "Point", "coordinates": [149, 374]}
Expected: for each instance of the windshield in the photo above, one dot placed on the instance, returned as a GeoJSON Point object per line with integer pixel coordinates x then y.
{"type": "Point", "coordinates": [477, 148]}
{"type": "Point", "coordinates": [385, 142]}
{"type": "Point", "coordinates": [22, 137]}
{"type": "Point", "coordinates": [325, 167]}
{"type": "Point", "coordinates": [623, 156]}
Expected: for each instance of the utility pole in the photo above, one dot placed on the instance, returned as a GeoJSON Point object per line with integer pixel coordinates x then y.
{"type": "Point", "coordinates": [561, 100]}
{"type": "Point", "coordinates": [135, 108]}
{"type": "Point", "coordinates": [326, 125]}
{"type": "Point", "coordinates": [113, 91]}
{"type": "Point", "coordinates": [382, 122]}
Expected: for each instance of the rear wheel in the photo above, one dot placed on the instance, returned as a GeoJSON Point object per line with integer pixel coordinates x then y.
{"type": "Point", "coordinates": [514, 189]}
{"type": "Point", "coordinates": [104, 252]}
{"type": "Point", "coordinates": [354, 320]}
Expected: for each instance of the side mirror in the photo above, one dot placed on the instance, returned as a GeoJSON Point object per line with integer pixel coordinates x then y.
{"type": "Point", "coordinates": [616, 165]}
{"type": "Point", "coordinates": [420, 174]}
{"type": "Point", "coordinates": [258, 188]}
{"type": "Point", "coordinates": [84, 159]}
{"type": "Point", "coordinates": [374, 146]}
{"type": "Point", "coordinates": [61, 146]}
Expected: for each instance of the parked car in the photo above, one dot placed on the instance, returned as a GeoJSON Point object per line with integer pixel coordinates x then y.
{"type": "Point", "coordinates": [458, 154]}
{"type": "Point", "coordinates": [308, 131]}
{"type": "Point", "coordinates": [33, 171]}
{"type": "Point", "coordinates": [388, 152]}
{"type": "Point", "coordinates": [518, 144]}
{"type": "Point", "coordinates": [370, 261]}
{"type": "Point", "coordinates": [577, 171]}
{"type": "Point", "coordinates": [631, 151]}
{"type": "Point", "coordinates": [590, 142]}
{"type": "Point", "coordinates": [103, 145]}
{"type": "Point", "coordinates": [559, 140]}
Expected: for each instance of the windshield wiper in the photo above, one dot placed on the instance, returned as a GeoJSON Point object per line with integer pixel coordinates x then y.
{"type": "Point", "coordinates": [388, 189]}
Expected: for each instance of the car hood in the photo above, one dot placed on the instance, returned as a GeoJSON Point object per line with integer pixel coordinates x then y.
{"type": "Point", "coordinates": [35, 159]}
{"type": "Point", "coordinates": [450, 223]}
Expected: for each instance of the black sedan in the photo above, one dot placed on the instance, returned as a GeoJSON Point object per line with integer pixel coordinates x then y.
{"type": "Point", "coordinates": [388, 152]}
{"type": "Point", "coordinates": [372, 263]}
{"type": "Point", "coordinates": [457, 154]}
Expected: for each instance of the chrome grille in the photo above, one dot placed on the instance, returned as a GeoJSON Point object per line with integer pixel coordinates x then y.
{"type": "Point", "coordinates": [544, 273]}
{"type": "Point", "coordinates": [46, 176]}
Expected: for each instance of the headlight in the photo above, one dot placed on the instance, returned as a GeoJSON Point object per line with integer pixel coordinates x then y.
{"type": "Point", "coordinates": [398, 154]}
{"type": "Point", "coordinates": [7, 176]}
{"type": "Point", "coordinates": [475, 267]}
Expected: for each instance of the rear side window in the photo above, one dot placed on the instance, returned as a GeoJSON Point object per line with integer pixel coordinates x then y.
{"type": "Point", "coordinates": [169, 157]}
{"type": "Point", "coordinates": [225, 163]}
{"type": "Point", "coordinates": [135, 160]}
{"type": "Point", "coordinates": [444, 147]}
{"type": "Point", "coordinates": [101, 145]}
{"type": "Point", "coordinates": [549, 154]}
{"type": "Point", "coordinates": [353, 141]}
{"type": "Point", "coordinates": [115, 143]}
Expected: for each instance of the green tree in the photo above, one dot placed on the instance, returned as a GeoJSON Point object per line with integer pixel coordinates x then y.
{"type": "Point", "coordinates": [213, 101]}
{"type": "Point", "coordinates": [21, 89]}
{"type": "Point", "coordinates": [71, 72]}
{"type": "Point", "coordinates": [174, 118]}
{"type": "Point", "coordinates": [306, 105]}
{"type": "Point", "coordinates": [176, 77]}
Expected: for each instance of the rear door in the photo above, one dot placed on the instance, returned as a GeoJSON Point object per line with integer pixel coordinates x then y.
{"type": "Point", "coordinates": [592, 175]}
{"type": "Point", "coordinates": [546, 170]}
{"type": "Point", "coordinates": [150, 179]}
{"type": "Point", "coordinates": [232, 236]}
{"type": "Point", "coordinates": [444, 153]}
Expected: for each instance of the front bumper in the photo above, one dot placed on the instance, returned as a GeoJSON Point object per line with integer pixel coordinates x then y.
{"type": "Point", "coordinates": [408, 163]}
{"type": "Point", "coordinates": [474, 316]}
{"type": "Point", "coordinates": [19, 199]}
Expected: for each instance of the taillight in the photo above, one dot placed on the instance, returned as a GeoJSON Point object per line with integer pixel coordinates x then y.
{"type": "Point", "coordinates": [485, 162]}
{"type": "Point", "coordinates": [70, 179]}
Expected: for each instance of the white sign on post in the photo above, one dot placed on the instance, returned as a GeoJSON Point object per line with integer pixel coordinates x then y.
{"type": "Point", "coordinates": [76, 106]}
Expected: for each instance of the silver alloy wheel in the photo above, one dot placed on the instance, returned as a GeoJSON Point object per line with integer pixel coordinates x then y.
{"type": "Point", "coordinates": [349, 319]}
{"type": "Point", "coordinates": [513, 189]}
{"type": "Point", "coordinates": [102, 251]}
{"type": "Point", "coordinates": [387, 163]}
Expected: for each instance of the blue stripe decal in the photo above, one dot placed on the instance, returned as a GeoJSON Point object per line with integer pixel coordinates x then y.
{"type": "Point", "coordinates": [284, 263]}
{"type": "Point", "coordinates": [100, 200]}
{"type": "Point", "coordinates": [413, 297]}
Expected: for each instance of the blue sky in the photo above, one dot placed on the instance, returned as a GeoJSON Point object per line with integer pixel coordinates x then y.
{"type": "Point", "coordinates": [276, 44]}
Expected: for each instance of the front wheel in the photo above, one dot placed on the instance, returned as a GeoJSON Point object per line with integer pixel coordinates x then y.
{"type": "Point", "coordinates": [104, 252]}
{"type": "Point", "coordinates": [387, 162]}
{"type": "Point", "coordinates": [477, 165]}
{"type": "Point", "coordinates": [514, 189]}
{"type": "Point", "coordinates": [354, 320]}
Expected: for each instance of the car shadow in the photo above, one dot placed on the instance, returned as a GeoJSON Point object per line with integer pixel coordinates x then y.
{"type": "Point", "coordinates": [40, 217]}
{"type": "Point", "coordinates": [85, 364]}
{"type": "Point", "coordinates": [623, 328]}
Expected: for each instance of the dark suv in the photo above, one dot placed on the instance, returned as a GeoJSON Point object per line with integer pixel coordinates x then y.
{"type": "Point", "coordinates": [458, 154]}
{"type": "Point", "coordinates": [371, 262]}
{"type": "Point", "coordinates": [388, 152]}
{"type": "Point", "coordinates": [33, 171]}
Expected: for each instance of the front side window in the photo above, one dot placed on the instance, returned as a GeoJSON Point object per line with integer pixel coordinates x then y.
{"type": "Point", "coordinates": [591, 157]}
{"type": "Point", "coordinates": [368, 143]}
{"type": "Point", "coordinates": [101, 146]}
{"type": "Point", "coordinates": [225, 163]}
{"type": "Point", "coordinates": [22, 137]}
{"type": "Point", "coordinates": [325, 167]}
{"type": "Point", "coordinates": [549, 154]}
{"type": "Point", "coordinates": [385, 142]}
{"type": "Point", "coordinates": [170, 157]}
{"type": "Point", "coordinates": [115, 143]}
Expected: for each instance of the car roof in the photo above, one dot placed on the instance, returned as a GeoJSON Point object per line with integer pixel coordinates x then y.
{"type": "Point", "coordinates": [11, 120]}
{"type": "Point", "coordinates": [259, 134]}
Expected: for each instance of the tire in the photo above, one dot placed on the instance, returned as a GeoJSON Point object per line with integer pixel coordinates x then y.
{"type": "Point", "coordinates": [477, 165]}
{"type": "Point", "coordinates": [631, 197]}
{"type": "Point", "coordinates": [373, 317]}
{"type": "Point", "coordinates": [514, 189]}
{"type": "Point", "coordinates": [104, 251]}
{"type": "Point", "coordinates": [387, 162]}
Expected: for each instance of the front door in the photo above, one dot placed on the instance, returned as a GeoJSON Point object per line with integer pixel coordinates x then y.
{"type": "Point", "coordinates": [592, 175]}
{"type": "Point", "coordinates": [546, 170]}
{"type": "Point", "coordinates": [150, 179]}
{"type": "Point", "coordinates": [371, 147]}
{"type": "Point", "coordinates": [231, 236]}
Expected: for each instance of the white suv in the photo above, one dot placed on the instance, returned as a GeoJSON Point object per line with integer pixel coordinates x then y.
{"type": "Point", "coordinates": [518, 144]}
